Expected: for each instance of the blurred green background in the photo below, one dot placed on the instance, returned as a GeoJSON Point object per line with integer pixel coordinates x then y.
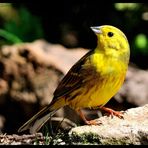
{"type": "Point", "coordinates": [67, 22]}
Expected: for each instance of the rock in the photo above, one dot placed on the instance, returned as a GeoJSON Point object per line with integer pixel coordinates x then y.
{"type": "Point", "coordinates": [22, 140]}
{"type": "Point", "coordinates": [113, 131]}
{"type": "Point", "coordinates": [30, 72]}
{"type": "Point", "coordinates": [133, 129]}
{"type": "Point", "coordinates": [33, 70]}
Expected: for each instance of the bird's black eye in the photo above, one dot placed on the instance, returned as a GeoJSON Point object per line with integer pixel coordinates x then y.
{"type": "Point", "coordinates": [110, 34]}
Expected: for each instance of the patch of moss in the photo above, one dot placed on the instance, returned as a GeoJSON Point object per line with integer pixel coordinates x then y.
{"type": "Point", "coordinates": [85, 139]}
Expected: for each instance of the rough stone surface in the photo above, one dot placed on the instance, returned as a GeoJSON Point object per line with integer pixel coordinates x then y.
{"type": "Point", "coordinates": [21, 140]}
{"type": "Point", "coordinates": [133, 129]}
{"type": "Point", "coordinates": [29, 74]}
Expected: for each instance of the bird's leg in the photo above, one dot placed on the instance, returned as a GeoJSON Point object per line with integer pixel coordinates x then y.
{"type": "Point", "coordinates": [112, 112]}
{"type": "Point", "coordinates": [90, 122]}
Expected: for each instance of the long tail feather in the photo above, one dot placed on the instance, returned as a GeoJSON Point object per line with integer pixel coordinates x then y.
{"type": "Point", "coordinates": [38, 120]}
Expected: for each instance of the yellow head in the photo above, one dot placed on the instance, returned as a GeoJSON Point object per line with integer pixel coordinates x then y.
{"type": "Point", "coordinates": [112, 42]}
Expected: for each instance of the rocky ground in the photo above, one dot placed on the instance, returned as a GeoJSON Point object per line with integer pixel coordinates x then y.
{"type": "Point", "coordinates": [29, 75]}
{"type": "Point", "coordinates": [113, 131]}
{"type": "Point", "coordinates": [133, 129]}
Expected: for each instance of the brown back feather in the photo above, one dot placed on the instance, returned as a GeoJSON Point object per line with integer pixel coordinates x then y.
{"type": "Point", "coordinates": [73, 79]}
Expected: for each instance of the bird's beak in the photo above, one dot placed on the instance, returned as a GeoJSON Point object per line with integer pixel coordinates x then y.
{"type": "Point", "coordinates": [96, 29]}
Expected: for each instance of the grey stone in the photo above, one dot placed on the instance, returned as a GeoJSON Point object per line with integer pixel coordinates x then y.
{"type": "Point", "coordinates": [133, 129]}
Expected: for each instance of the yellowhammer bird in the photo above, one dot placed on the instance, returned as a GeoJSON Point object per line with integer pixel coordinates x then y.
{"type": "Point", "coordinates": [92, 81]}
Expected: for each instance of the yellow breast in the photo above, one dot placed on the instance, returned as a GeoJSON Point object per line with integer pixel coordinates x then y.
{"type": "Point", "coordinates": [99, 94]}
{"type": "Point", "coordinates": [98, 91]}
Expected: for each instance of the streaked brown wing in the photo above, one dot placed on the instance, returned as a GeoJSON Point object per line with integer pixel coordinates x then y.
{"type": "Point", "coordinates": [73, 79]}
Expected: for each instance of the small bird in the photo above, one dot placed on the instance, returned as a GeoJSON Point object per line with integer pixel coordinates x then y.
{"type": "Point", "coordinates": [92, 81]}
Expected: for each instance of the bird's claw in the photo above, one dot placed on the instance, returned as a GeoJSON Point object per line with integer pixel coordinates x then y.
{"type": "Point", "coordinates": [114, 113]}
{"type": "Point", "coordinates": [118, 114]}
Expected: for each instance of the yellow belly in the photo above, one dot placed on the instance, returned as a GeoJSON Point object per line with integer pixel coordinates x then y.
{"type": "Point", "coordinates": [97, 95]}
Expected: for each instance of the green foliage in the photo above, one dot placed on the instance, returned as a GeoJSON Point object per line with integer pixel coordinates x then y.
{"type": "Point", "coordinates": [47, 139]}
{"type": "Point", "coordinates": [25, 28]}
{"type": "Point", "coordinates": [126, 6]}
{"type": "Point", "coordinates": [141, 43]}
{"type": "Point", "coordinates": [9, 36]}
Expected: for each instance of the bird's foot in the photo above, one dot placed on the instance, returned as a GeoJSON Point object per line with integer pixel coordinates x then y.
{"type": "Point", "coordinates": [113, 112]}
{"type": "Point", "coordinates": [88, 122]}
